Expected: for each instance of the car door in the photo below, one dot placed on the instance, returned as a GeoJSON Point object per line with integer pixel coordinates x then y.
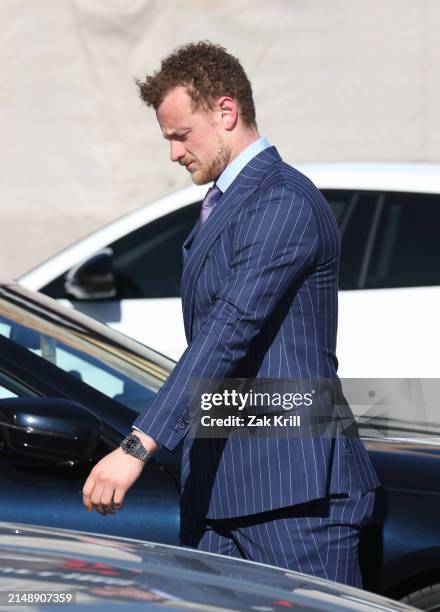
{"type": "Point", "coordinates": [40, 491]}
{"type": "Point", "coordinates": [147, 266]}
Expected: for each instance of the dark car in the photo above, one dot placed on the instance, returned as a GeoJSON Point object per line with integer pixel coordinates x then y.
{"type": "Point", "coordinates": [70, 389]}
{"type": "Point", "coordinates": [43, 567]}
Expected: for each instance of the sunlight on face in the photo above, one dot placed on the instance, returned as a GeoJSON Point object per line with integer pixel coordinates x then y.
{"type": "Point", "coordinates": [195, 137]}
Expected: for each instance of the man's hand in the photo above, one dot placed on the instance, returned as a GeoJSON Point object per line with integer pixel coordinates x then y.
{"type": "Point", "coordinates": [109, 480]}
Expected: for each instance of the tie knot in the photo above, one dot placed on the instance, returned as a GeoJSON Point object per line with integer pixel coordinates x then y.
{"type": "Point", "coordinates": [211, 197]}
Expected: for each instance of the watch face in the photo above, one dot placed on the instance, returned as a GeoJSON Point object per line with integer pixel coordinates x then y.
{"type": "Point", "coordinates": [131, 444]}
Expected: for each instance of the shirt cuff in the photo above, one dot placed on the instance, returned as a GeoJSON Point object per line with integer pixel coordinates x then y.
{"type": "Point", "coordinates": [140, 430]}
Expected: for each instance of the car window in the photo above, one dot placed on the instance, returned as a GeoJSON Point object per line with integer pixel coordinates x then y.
{"type": "Point", "coordinates": [340, 202]}
{"type": "Point", "coordinates": [387, 240]}
{"type": "Point", "coordinates": [406, 250]}
{"type": "Point", "coordinates": [148, 262]}
{"type": "Point", "coordinates": [109, 375]}
{"type": "Point", "coordinates": [355, 212]}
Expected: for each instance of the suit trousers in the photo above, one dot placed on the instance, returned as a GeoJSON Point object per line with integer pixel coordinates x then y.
{"type": "Point", "coordinates": [319, 537]}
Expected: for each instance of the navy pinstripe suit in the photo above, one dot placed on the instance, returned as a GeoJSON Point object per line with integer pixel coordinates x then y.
{"type": "Point", "coordinates": [259, 293]}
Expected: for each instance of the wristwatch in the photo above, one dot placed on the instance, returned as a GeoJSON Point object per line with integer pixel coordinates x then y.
{"type": "Point", "coordinates": [132, 445]}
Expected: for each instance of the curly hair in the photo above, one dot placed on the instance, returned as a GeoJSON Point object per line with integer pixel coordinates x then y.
{"type": "Point", "coordinates": [208, 71]}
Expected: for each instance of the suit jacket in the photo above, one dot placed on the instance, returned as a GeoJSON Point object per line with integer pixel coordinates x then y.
{"type": "Point", "coordinates": [259, 296]}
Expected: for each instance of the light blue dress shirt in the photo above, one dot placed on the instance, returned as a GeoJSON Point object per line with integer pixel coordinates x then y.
{"type": "Point", "coordinates": [236, 166]}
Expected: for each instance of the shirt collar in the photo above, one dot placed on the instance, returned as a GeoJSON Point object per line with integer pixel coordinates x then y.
{"type": "Point", "coordinates": [233, 169]}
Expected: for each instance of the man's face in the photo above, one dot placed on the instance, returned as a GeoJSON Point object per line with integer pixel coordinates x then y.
{"type": "Point", "coordinates": [196, 138]}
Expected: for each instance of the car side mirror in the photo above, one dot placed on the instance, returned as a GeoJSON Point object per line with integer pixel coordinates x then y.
{"type": "Point", "coordinates": [51, 429]}
{"type": "Point", "coordinates": [92, 279]}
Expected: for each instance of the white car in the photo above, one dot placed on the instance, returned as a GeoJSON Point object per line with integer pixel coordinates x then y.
{"type": "Point", "coordinates": [127, 274]}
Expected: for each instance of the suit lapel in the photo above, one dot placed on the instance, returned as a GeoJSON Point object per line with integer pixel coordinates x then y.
{"type": "Point", "coordinates": [188, 241]}
{"type": "Point", "coordinates": [196, 248]}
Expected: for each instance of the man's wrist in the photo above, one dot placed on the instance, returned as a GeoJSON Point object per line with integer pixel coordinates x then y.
{"type": "Point", "coordinates": [147, 441]}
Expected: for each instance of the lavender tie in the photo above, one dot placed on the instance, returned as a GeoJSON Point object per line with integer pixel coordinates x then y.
{"type": "Point", "coordinates": [212, 196]}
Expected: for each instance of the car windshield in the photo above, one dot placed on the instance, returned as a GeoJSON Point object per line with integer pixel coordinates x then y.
{"type": "Point", "coordinates": [111, 363]}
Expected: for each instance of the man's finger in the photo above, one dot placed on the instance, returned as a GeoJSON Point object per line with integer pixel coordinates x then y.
{"type": "Point", "coordinates": [87, 492]}
{"type": "Point", "coordinates": [118, 498]}
{"type": "Point", "coordinates": [96, 497]}
{"type": "Point", "coordinates": [107, 499]}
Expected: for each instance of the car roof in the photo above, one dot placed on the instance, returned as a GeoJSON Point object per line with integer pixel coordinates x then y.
{"type": "Point", "coordinates": [415, 177]}
{"type": "Point", "coordinates": [370, 176]}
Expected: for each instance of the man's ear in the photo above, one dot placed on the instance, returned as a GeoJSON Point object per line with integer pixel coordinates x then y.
{"type": "Point", "coordinates": [228, 109]}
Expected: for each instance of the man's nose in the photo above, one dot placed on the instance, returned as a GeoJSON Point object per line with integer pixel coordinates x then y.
{"type": "Point", "coordinates": [177, 151]}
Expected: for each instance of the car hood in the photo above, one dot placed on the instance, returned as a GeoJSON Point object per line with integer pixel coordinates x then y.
{"type": "Point", "coordinates": [106, 571]}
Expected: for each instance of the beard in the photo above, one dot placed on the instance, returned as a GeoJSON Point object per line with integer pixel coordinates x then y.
{"type": "Point", "coordinates": [210, 171]}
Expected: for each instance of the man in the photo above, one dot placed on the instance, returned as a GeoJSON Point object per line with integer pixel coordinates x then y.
{"type": "Point", "coordinates": [259, 292]}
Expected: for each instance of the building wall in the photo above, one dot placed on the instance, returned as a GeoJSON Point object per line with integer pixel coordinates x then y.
{"type": "Point", "coordinates": [340, 80]}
